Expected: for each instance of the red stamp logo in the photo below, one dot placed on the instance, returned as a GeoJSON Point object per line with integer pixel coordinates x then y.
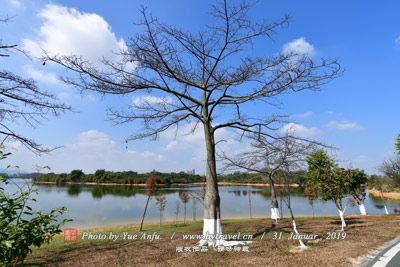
{"type": "Point", "coordinates": [70, 235]}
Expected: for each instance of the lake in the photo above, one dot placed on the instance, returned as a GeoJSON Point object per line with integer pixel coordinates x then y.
{"type": "Point", "coordinates": [95, 206]}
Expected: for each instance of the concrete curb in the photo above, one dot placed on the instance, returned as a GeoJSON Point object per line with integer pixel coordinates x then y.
{"type": "Point", "coordinates": [369, 259]}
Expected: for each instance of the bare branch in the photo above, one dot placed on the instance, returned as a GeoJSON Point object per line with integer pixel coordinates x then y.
{"type": "Point", "coordinates": [22, 100]}
{"type": "Point", "coordinates": [208, 75]}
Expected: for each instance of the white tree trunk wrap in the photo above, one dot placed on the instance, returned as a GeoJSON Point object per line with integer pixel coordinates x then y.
{"type": "Point", "coordinates": [212, 232]}
{"type": "Point", "coordinates": [342, 219]}
{"type": "Point", "coordinates": [363, 211]}
{"type": "Point", "coordinates": [386, 210]}
{"type": "Point", "coordinates": [275, 215]}
{"type": "Point", "coordinates": [295, 230]}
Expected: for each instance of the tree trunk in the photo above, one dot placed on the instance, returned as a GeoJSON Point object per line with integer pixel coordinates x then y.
{"type": "Point", "coordinates": [144, 213]}
{"type": "Point", "coordinates": [15, 261]}
{"type": "Point", "coordinates": [212, 214]}
{"type": "Point", "coordinates": [194, 208]}
{"type": "Point", "coordinates": [386, 210]}
{"type": "Point", "coordinates": [289, 206]}
{"type": "Point", "coordinates": [360, 203]}
{"type": "Point", "coordinates": [362, 209]}
{"type": "Point", "coordinates": [176, 215]}
{"type": "Point", "coordinates": [341, 214]}
{"type": "Point", "coordinates": [249, 192]}
{"type": "Point", "coordinates": [275, 215]}
{"type": "Point", "coordinates": [160, 218]}
{"type": "Point", "coordinates": [212, 231]}
{"type": "Point", "coordinates": [313, 213]}
{"type": "Point", "coordinates": [184, 216]}
{"type": "Point", "coordinates": [342, 219]}
{"type": "Point", "coordinates": [384, 203]}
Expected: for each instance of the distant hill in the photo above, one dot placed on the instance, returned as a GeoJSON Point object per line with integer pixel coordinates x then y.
{"type": "Point", "coordinates": [21, 175]}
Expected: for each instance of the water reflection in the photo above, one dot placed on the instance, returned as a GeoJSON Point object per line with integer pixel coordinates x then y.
{"type": "Point", "coordinates": [107, 205]}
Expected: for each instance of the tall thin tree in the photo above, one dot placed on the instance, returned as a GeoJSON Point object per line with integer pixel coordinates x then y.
{"type": "Point", "coordinates": [161, 200]}
{"type": "Point", "coordinates": [184, 196]}
{"type": "Point", "coordinates": [205, 79]}
{"type": "Point", "coordinates": [151, 184]}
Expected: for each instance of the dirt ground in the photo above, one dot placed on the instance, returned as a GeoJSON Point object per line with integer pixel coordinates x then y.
{"type": "Point", "coordinates": [362, 235]}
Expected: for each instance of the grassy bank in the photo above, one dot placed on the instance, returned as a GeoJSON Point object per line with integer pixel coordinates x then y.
{"type": "Point", "coordinates": [390, 195]}
{"type": "Point", "coordinates": [262, 252]}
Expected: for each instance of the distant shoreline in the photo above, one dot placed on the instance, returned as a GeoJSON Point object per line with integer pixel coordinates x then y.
{"type": "Point", "coordinates": [168, 185]}
{"type": "Point", "coordinates": [390, 195]}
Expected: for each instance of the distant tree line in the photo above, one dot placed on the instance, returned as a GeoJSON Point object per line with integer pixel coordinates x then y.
{"type": "Point", "coordinates": [298, 177]}
{"type": "Point", "coordinates": [132, 177]}
{"type": "Point", "coordinates": [126, 177]}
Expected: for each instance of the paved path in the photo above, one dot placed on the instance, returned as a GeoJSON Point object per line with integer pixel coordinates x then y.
{"type": "Point", "coordinates": [387, 257]}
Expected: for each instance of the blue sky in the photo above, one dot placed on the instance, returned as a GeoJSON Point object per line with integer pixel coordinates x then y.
{"type": "Point", "coordinates": [356, 112]}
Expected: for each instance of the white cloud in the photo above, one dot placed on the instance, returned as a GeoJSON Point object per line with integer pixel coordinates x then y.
{"type": "Point", "coordinates": [90, 150]}
{"type": "Point", "coordinates": [188, 138]}
{"type": "Point", "coordinates": [300, 130]}
{"type": "Point", "coordinates": [150, 100]}
{"type": "Point", "coordinates": [41, 76]}
{"type": "Point", "coordinates": [334, 113]}
{"type": "Point", "coordinates": [71, 97]}
{"type": "Point", "coordinates": [13, 145]}
{"type": "Point", "coordinates": [305, 114]}
{"type": "Point", "coordinates": [68, 31]}
{"type": "Point", "coordinates": [299, 46]}
{"type": "Point", "coordinates": [93, 149]}
{"type": "Point", "coordinates": [344, 125]}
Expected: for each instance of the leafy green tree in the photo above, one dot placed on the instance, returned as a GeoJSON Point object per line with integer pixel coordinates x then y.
{"type": "Point", "coordinates": [99, 175]}
{"type": "Point", "coordinates": [61, 179]}
{"type": "Point", "coordinates": [328, 180]}
{"type": "Point", "coordinates": [310, 194]}
{"type": "Point", "coordinates": [356, 184]}
{"type": "Point", "coordinates": [398, 144]}
{"type": "Point", "coordinates": [76, 175]}
{"type": "Point", "coordinates": [21, 227]}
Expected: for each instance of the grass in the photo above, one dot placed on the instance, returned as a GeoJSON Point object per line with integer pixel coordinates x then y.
{"type": "Point", "coordinates": [363, 234]}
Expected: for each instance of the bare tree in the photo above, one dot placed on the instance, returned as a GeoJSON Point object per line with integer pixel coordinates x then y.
{"type": "Point", "coordinates": [151, 184]}
{"type": "Point", "coordinates": [379, 185]}
{"type": "Point", "coordinates": [161, 200]}
{"type": "Point", "coordinates": [284, 154]}
{"type": "Point", "coordinates": [205, 79]}
{"type": "Point", "coordinates": [269, 157]}
{"type": "Point", "coordinates": [22, 101]}
{"type": "Point", "coordinates": [391, 169]}
{"type": "Point", "coordinates": [249, 193]}
{"type": "Point", "coordinates": [177, 209]}
{"type": "Point", "coordinates": [184, 196]}
{"type": "Point", "coordinates": [194, 208]}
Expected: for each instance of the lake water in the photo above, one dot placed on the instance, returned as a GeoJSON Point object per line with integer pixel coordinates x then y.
{"type": "Point", "coordinates": [93, 206]}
